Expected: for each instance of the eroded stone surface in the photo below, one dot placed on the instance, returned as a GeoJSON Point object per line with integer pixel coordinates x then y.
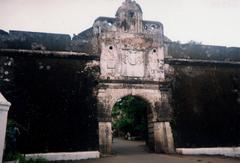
{"type": "Point", "coordinates": [130, 47]}
{"type": "Point", "coordinates": [133, 50]}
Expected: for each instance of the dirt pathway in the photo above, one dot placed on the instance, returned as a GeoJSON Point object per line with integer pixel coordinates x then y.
{"type": "Point", "coordinates": [135, 152]}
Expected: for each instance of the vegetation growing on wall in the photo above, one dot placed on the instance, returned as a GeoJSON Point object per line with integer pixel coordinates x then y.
{"type": "Point", "coordinates": [54, 103]}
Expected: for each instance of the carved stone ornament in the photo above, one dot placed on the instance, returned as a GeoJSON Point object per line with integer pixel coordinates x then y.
{"type": "Point", "coordinates": [132, 63]}
{"type": "Point", "coordinates": [134, 58]}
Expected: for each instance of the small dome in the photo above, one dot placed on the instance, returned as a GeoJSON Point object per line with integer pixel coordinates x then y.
{"type": "Point", "coordinates": [129, 5]}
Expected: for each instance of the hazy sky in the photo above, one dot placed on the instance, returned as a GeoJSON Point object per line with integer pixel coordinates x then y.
{"type": "Point", "coordinates": [215, 22]}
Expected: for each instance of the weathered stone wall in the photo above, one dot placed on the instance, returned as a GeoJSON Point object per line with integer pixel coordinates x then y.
{"type": "Point", "coordinates": [202, 52]}
{"type": "Point", "coordinates": [109, 95]}
{"type": "Point", "coordinates": [206, 104]}
{"type": "Point", "coordinates": [131, 56]}
{"type": "Point", "coordinates": [53, 91]}
{"type": "Point", "coordinates": [205, 91]}
{"type": "Point", "coordinates": [129, 50]}
{"type": "Point", "coordinates": [34, 41]}
{"type": "Point", "coordinates": [53, 102]}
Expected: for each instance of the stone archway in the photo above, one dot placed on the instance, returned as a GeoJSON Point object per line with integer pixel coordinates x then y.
{"type": "Point", "coordinates": [147, 115]}
{"type": "Point", "coordinates": [132, 63]}
{"type": "Point", "coordinates": [110, 93]}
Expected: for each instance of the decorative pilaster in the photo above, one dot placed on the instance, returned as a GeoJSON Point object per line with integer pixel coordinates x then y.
{"type": "Point", "coordinates": [105, 137]}
{"type": "Point", "coordinates": [163, 138]}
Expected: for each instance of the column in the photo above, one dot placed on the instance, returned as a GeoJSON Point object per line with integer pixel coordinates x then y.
{"type": "Point", "coordinates": [163, 138]}
{"type": "Point", "coordinates": [105, 137]}
{"type": "Point", "coordinates": [4, 107]}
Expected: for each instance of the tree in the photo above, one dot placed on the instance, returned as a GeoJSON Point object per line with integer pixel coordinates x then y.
{"type": "Point", "coordinates": [129, 115]}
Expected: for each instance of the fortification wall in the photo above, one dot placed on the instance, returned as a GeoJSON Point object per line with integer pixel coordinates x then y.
{"type": "Point", "coordinates": [206, 102]}
{"type": "Point", "coordinates": [53, 102]}
{"type": "Point", "coordinates": [202, 52]}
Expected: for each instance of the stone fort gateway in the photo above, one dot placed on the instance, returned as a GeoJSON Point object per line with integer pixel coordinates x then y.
{"type": "Point", "coordinates": [66, 87]}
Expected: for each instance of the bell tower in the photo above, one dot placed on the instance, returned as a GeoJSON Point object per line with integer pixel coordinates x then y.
{"type": "Point", "coordinates": [129, 17]}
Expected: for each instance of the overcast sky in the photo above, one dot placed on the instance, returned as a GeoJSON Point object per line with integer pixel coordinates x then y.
{"type": "Point", "coordinates": [215, 22]}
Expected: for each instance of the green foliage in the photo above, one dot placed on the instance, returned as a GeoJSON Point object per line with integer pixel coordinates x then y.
{"type": "Point", "coordinates": [55, 97]}
{"type": "Point", "coordinates": [191, 42]}
{"type": "Point", "coordinates": [22, 159]}
{"type": "Point", "coordinates": [11, 156]}
{"type": "Point", "coordinates": [129, 115]}
{"type": "Point", "coordinates": [38, 160]}
{"type": "Point", "coordinates": [10, 152]}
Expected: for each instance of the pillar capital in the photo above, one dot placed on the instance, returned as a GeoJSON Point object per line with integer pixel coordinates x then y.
{"type": "Point", "coordinates": [4, 104]}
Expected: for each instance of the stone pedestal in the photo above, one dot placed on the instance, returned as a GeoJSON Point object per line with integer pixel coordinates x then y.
{"type": "Point", "coordinates": [4, 107]}
{"type": "Point", "coordinates": [105, 137]}
{"type": "Point", "coordinates": [163, 138]}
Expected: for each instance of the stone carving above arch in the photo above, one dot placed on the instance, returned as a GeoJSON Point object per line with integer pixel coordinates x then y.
{"type": "Point", "coordinates": [132, 63]}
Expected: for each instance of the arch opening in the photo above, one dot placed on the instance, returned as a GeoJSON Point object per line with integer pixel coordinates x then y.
{"type": "Point", "coordinates": [132, 123]}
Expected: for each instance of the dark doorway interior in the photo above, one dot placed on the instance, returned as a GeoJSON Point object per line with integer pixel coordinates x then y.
{"type": "Point", "coordinates": [131, 122]}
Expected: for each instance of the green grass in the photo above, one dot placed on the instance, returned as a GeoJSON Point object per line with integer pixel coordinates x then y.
{"type": "Point", "coordinates": [22, 159]}
{"type": "Point", "coordinates": [38, 160]}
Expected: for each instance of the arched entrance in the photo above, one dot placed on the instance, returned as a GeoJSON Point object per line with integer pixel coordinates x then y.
{"type": "Point", "coordinates": [132, 119]}
{"type": "Point", "coordinates": [109, 93]}
{"type": "Point", "coordinates": [132, 63]}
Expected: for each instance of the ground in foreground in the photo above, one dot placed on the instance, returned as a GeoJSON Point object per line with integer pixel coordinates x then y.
{"type": "Point", "coordinates": [135, 152]}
